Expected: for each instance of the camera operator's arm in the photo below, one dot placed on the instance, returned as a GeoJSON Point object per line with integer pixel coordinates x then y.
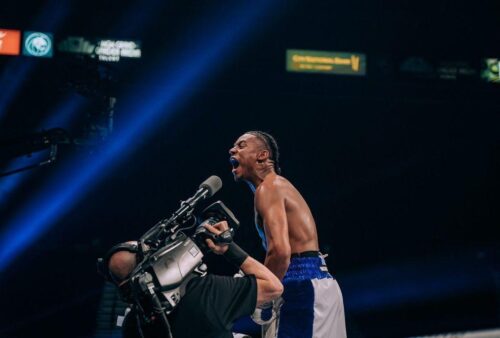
{"type": "Point", "coordinates": [269, 286]}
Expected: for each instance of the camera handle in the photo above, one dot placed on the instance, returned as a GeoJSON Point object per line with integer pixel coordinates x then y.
{"type": "Point", "coordinates": [225, 237]}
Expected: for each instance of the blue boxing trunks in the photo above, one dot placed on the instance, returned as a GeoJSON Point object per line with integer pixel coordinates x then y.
{"type": "Point", "coordinates": [313, 306]}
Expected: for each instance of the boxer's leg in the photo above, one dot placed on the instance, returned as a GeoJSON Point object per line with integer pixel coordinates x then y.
{"type": "Point", "coordinates": [329, 318]}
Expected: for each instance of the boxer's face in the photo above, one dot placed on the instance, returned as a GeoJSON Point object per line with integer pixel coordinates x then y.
{"type": "Point", "coordinates": [244, 156]}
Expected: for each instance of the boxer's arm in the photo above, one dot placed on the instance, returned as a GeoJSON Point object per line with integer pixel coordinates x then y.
{"type": "Point", "coordinates": [268, 286]}
{"type": "Point", "coordinates": [270, 204]}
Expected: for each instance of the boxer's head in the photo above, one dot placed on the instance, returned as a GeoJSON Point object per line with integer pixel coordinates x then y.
{"type": "Point", "coordinates": [254, 151]}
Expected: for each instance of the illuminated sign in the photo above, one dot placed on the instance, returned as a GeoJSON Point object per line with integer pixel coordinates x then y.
{"type": "Point", "coordinates": [456, 70]}
{"type": "Point", "coordinates": [111, 50]}
{"type": "Point", "coordinates": [105, 50]}
{"type": "Point", "coordinates": [325, 62]}
{"type": "Point", "coordinates": [10, 42]}
{"type": "Point", "coordinates": [491, 70]}
{"type": "Point", "coordinates": [77, 45]}
{"type": "Point", "coordinates": [38, 44]}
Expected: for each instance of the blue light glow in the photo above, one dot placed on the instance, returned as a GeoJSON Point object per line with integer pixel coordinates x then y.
{"type": "Point", "coordinates": [170, 89]}
{"type": "Point", "coordinates": [9, 183]}
{"type": "Point", "coordinates": [64, 113]}
{"type": "Point", "coordinates": [61, 118]}
{"type": "Point", "coordinates": [12, 79]}
{"type": "Point", "coordinates": [396, 284]}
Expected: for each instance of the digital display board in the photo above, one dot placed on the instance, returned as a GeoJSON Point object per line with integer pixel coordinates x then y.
{"type": "Point", "coordinates": [10, 42]}
{"type": "Point", "coordinates": [104, 49]}
{"type": "Point", "coordinates": [309, 61]}
{"type": "Point", "coordinates": [38, 44]}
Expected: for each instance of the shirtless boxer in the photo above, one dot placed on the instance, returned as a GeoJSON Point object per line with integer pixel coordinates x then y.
{"type": "Point", "coordinates": [313, 305]}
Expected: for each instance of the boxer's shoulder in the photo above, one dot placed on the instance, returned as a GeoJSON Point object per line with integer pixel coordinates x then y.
{"type": "Point", "coordinates": [273, 184]}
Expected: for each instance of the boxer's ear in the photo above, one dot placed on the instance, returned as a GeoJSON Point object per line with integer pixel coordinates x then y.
{"type": "Point", "coordinates": [263, 155]}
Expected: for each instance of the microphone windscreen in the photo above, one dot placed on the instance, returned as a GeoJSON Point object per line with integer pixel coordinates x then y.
{"type": "Point", "coordinates": [212, 184]}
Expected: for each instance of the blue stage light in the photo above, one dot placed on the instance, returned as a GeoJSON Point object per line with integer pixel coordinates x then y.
{"type": "Point", "coordinates": [62, 117]}
{"type": "Point", "coordinates": [396, 284]}
{"type": "Point", "coordinates": [168, 90]}
{"type": "Point", "coordinates": [10, 183]}
{"type": "Point", "coordinates": [12, 79]}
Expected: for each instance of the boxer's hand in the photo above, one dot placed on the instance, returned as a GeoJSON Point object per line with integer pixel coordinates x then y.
{"type": "Point", "coordinates": [217, 229]}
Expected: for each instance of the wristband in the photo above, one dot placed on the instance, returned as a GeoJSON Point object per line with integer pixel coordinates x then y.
{"type": "Point", "coordinates": [235, 255]}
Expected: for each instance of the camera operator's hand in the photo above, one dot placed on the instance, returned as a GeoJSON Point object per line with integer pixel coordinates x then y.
{"type": "Point", "coordinates": [217, 229]}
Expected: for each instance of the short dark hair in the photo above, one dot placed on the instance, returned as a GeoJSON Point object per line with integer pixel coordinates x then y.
{"type": "Point", "coordinates": [271, 145]}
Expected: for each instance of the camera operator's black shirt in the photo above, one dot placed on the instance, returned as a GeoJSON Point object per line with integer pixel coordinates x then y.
{"type": "Point", "coordinates": [207, 310]}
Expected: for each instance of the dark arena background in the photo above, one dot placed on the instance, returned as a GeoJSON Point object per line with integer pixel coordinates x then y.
{"type": "Point", "coordinates": [387, 114]}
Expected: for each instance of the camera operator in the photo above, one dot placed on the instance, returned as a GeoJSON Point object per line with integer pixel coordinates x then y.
{"type": "Point", "coordinates": [211, 303]}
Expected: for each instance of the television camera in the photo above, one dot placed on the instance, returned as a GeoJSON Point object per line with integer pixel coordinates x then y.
{"type": "Point", "coordinates": [168, 258]}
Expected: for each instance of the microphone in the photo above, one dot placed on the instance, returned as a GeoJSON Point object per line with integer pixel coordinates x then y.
{"type": "Point", "coordinates": [212, 185]}
{"type": "Point", "coordinates": [207, 189]}
{"type": "Point", "coordinates": [182, 215]}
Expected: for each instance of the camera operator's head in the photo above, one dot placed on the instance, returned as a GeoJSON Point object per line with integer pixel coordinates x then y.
{"type": "Point", "coordinates": [120, 265]}
{"type": "Point", "coordinates": [117, 265]}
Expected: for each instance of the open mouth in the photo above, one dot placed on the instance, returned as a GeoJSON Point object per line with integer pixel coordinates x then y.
{"type": "Point", "coordinates": [234, 162]}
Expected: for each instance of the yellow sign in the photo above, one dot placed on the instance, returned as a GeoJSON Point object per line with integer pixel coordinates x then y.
{"type": "Point", "coordinates": [325, 62]}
